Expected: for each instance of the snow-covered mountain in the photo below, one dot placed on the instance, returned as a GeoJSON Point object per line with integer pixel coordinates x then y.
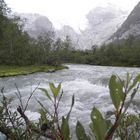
{"type": "Point", "coordinates": [131, 26]}
{"type": "Point", "coordinates": [102, 23]}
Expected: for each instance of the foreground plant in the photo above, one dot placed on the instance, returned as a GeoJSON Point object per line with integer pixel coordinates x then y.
{"type": "Point", "coordinates": [119, 91]}
{"type": "Point", "coordinates": [60, 131]}
{"type": "Point", "coordinates": [16, 125]}
{"type": "Point", "coordinates": [122, 92]}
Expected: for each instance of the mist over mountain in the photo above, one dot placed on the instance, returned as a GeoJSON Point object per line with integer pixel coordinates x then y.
{"type": "Point", "coordinates": [131, 26]}
{"type": "Point", "coordinates": [36, 24]}
{"type": "Point", "coordinates": [69, 31]}
{"type": "Point", "coordinates": [102, 23]}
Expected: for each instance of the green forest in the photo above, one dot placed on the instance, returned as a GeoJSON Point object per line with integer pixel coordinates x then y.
{"type": "Point", "coordinates": [118, 53]}
{"type": "Point", "coordinates": [17, 48]}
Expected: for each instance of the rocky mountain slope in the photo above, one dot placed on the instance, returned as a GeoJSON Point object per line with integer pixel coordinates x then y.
{"type": "Point", "coordinates": [131, 26]}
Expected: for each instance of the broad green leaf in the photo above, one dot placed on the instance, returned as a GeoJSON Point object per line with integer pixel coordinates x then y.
{"type": "Point", "coordinates": [80, 132]}
{"type": "Point", "coordinates": [116, 91]}
{"type": "Point", "coordinates": [135, 81]}
{"type": "Point", "coordinates": [55, 90]}
{"type": "Point", "coordinates": [65, 129]}
{"type": "Point", "coordinates": [120, 90]}
{"type": "Point", "coordinates": [98, 125]}
{"type": "Point", "coordinates": [45, 92]}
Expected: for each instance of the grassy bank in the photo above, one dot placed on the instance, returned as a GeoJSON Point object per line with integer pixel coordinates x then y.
{"type": "Point", "coordinates": [6, 71]}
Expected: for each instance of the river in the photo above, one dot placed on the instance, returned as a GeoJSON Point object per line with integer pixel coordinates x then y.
{"type": "Point", "coordinates": [89, 84]}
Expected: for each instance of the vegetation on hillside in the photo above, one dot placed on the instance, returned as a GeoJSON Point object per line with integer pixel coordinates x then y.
{"type": "Point", "coordinates": [19, 49]}
{"type": "Point", "coordinates": [119, 53]}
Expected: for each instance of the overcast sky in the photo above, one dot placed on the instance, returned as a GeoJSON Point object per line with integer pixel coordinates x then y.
{"type": "Point", "coordinates": [60, 12]}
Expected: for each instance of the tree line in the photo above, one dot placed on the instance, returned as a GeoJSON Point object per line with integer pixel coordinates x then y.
{"type": "Point", "coordinates": [119, 53]}
{"type": "Point", "coordinates": [18, 48]}
{"type": "Point", "coordinates": [123, 52]}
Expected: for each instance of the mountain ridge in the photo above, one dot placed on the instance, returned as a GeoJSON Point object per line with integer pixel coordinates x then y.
{"type": "Point", "coordinates": [131, 26]}
{"type": "Point", "coordinates": [102, 23]}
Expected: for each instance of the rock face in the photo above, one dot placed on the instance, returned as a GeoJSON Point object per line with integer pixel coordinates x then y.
{"type": "Point", "coordinates": [131, 26]}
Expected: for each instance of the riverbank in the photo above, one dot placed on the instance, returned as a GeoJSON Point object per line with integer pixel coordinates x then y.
{"type": "Point", "coordinates": [6, 71]}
